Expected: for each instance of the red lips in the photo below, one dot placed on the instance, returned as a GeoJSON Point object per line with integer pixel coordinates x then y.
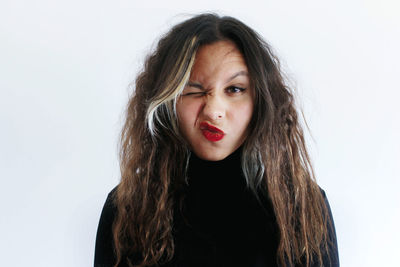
{"type": "Point", "coordinates": [210, 132]}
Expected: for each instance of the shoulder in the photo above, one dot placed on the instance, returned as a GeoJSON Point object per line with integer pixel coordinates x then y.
{"type": "Point", "coordinates": [109, 208]}
{"type": "Point", "coordinates": [329, 212]}
{"type": "Point", "coordinates": [111, 197]}
{"type": "Point", "coordinates": [322, 192]}
{"type": "Point", "coordinates": [104, 240]}
{"type": "Point", "coordinates": [331, 257]}
{"type": "Point", "coordinates": [324, 196]}
{"type": "Point", "coordinates": [328, 208]}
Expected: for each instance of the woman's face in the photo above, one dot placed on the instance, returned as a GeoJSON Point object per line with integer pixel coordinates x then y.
{"type": "Point", "coordinates": [216, 106]}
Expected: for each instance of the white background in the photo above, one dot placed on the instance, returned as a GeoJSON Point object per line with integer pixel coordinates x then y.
{"type": "Point", "coordinates": [65, 67]}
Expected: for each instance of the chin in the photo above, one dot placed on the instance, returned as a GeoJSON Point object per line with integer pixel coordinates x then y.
{"type": "Point", "coordinates": [212, 154]}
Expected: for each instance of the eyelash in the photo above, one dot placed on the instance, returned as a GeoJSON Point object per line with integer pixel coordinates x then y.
{"type": "Point", "coordinates": [195, 94]}
{"type": "Point", "coordinates": [229, 90]}
{"type": "Point", "coordinates": [240, 89]}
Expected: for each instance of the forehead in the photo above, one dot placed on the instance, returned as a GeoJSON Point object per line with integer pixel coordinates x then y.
{"type": "Point", "coordinates": [218, 58]}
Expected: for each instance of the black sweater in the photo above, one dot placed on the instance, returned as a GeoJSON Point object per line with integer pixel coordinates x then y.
{"type": "Point", "coordinates": [221, 224]}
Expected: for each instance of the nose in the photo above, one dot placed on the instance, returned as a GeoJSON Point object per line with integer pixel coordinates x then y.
{"type": "Point", "coordinates": [214, 108]}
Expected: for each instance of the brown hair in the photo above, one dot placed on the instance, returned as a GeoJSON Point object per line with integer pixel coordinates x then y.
{"type": "Point", "coordinates": [275, 160]}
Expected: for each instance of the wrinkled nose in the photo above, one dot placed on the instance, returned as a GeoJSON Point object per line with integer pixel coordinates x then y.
{"type": "Point", "coordinates": [214, 108]}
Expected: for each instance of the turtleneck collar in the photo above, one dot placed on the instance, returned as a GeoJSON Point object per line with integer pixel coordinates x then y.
{"type": "Point", "coordinates": [216, 189]}
{"type": "Point", "coordinates": [224, 175]}
{"type": "Point", "coordinates": [234, 156]}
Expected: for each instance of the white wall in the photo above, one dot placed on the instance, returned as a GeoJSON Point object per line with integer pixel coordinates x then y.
{"type": "Point", "coordinates": [65, 67]}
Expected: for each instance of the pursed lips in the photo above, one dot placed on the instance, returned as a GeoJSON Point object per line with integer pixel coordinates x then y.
{"type": "Point", "coordinates": [211, 132]}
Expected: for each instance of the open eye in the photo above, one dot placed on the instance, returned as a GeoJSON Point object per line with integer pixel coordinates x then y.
{"type": "Point", "coordinates": [235, 89]}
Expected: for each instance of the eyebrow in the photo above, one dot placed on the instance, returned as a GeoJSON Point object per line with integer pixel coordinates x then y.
{"type": "Point", "coordinates": [199, 86]}
{"type": "Point", "coordinates": [196, 85]}
{"type": "Point", "coordinates": [244, 73]}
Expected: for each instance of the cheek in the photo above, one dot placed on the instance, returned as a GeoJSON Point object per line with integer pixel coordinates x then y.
{"type": "Point", "coordinates": [243, 115]}
{"type": "Point", "coordinates": [187, 114]}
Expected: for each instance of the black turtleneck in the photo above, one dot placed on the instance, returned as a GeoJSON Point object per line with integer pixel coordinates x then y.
{"type": "Point", "coordinates": [221, 222]}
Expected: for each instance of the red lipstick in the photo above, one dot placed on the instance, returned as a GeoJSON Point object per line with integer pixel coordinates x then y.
{"type": "Point", "coordinates": [210, 132]}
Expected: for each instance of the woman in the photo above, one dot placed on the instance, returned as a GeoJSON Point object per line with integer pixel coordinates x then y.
{"type": "Point", "coordinates": [214, 168]}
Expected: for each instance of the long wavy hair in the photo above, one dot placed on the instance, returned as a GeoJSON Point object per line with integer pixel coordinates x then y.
{"type": "Point", "coordinates": [154, 155]}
